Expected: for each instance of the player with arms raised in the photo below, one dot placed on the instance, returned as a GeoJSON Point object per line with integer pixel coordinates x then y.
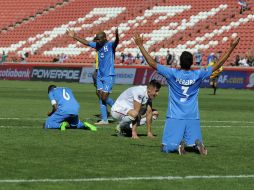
{"type": "Point", "coordinates": [106, 70]}
{"type": "Point", "coordinates": [182, 125]}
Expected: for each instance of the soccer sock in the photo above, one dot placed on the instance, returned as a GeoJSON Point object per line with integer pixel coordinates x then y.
{"type": "Point", "coordinates": [126, 121]}
{"type": "Point", "coordinates": [214, 90]}
{"type": "Point", "coordinates": [110, 101]}
{"type": "Point", "coordinates": [103, 109]}
{"type": "Point", "coordinates": [142, 121]}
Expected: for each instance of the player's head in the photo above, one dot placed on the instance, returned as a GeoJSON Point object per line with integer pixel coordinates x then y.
{"type": "Point", "coordinates": [153, 88]}
{"type": "Point", "coordinates": [101, 37]}
{"type": "Point", "coordinates": [95, 39]}
{"type": "Point", "coordinates": [186, 60]}
{"type": "Point", "coordinates": [51, 87]}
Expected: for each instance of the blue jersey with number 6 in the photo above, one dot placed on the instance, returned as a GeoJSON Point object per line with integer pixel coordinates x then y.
{"type": "Point", "coordinates": [65, 100]}
{"type": "Point", "coordinates": [183, 90]}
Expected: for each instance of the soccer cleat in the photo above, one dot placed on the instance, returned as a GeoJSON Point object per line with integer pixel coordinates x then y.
{"type": "Point", "coordinates": [63, 125]}
{"type": "Point", "coordinates": [201, 148]}
{"type": "Point", "coordinates": [90, 126]}
{"type": "Point", "coordinates": [181, 148]}
{"type": "Point", "coordinates": [101, 122]}
{"type": "Point", "coordinates": [118, 131]}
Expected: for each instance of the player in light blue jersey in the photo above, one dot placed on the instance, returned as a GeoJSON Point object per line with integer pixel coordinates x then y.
{"type": "Point", "coordinates": [65, 110]}
{"type": "Point", "coordinates": [182, 125]}
{"type": "Point", "coordinates": [106, 68]}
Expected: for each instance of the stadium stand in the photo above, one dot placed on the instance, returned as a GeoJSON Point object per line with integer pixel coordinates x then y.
{"type": "Point", "coordinates": [38, 27]}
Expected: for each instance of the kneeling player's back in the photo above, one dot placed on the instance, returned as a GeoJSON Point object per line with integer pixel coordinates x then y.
{"type": "Point", "coordinates": [184, 88]}
{"type": "Point", "coordinates": [66, 102]}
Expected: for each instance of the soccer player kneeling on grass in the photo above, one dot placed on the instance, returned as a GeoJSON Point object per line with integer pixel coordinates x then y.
{"type": "Point", "coordinates": [128, 105]}
{"type": "Point", "coordinates": [65, 110]}
{"type": "Point", "coordinates": [182, 125]}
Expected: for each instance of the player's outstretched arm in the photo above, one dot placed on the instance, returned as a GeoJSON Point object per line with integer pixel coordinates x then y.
{"type": "Point", "coordinates": [139, 42]}
{"type": "Point", "coordinates": [226, 55]}
{"type": "Point", "coordinates": [117, 38]}
{"type": "Point", "coordinates": [149, 118]}
{"type": "Point", "coordinates": [74, 35]}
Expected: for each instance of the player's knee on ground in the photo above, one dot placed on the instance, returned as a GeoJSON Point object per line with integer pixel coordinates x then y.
{"type": "Point", "coordinates": [172, 147]}
{"type": "Point", "coordinates": [51, 125]}
{"type": "Point", "coordinates": [127, 120]}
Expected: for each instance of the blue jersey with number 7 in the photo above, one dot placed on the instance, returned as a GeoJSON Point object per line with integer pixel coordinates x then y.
{"type": "Point", "coordinates": [183, 90]}
{"type": "Point", "coordinates": [65, 100]}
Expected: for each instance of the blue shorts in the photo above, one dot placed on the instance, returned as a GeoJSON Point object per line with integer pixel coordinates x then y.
{"type": "Point", "coordinates": [105, 83]}
{"type": "Point", "coordinates": [54, 121]}
{"type": "Point", "coordinates": [176, 130]}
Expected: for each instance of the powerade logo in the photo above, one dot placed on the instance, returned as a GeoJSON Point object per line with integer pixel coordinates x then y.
{"type": "Point", "coordinates": [56, 74]}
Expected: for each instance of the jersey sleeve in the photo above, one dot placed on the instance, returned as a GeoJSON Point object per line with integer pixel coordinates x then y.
{"type": "Point", "coordinates": [165, 71]}
{"type": "Point", "coordinates": [149, 103]}
{"type": "Point", "coordinates": [52, 98]}
{"type": "Point", "coordinates": [92, 44]}
{"type": "Point", "coordinates": [205, 72]}
{"type": "Point", "coordinates": [138, 96]}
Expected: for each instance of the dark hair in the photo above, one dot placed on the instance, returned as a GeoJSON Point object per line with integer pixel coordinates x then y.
{"type": "Point", "coordinates": [186, 60]}
{"type": "Point", "coordinates": [155, 84]}
{"type": "Point", "coordinates": [51, 87]}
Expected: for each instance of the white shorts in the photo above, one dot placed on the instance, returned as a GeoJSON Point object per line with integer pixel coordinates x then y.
{"type": "Point", "coordinates": [117, 109]}
{"type": "Point", "coordinates": [117, 115]}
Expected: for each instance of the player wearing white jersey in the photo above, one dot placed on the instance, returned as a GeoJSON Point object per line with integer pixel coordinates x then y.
{"type": "Point", "coordinates": [127, 106]}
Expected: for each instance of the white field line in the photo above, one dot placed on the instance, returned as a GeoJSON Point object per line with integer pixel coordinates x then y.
{"type": "Point", "coordinates": [212, 121]}
{"type": "Point", "coordinates": [202, 121]}
{"type": "Point", "coordinates": [203, 126]}
{"type": "Point", "coordinates": [125, 179]}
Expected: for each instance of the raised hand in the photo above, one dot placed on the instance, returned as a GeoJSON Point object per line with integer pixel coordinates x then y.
{"type": "Point", "coordinates": [116, 32]}
{"type": "Point", "coordinates": [138, 39]}
{"type": "Point", "coordinates": [70, 33]}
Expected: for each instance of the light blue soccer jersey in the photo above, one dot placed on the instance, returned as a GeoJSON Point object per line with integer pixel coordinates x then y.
{"type": "Point", "coordinates": [183, 91]}
{"type": "Point", "coordinates": [106, 57]}
{"type": "Point", "coordinates": [66, 102]}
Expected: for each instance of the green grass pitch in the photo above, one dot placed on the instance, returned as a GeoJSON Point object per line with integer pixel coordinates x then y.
{"type": "Point", "coordinates": [30, 153]}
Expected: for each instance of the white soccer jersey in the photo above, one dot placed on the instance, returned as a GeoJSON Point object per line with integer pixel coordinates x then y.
{"type": "Point", "coordinates": [125, 101]}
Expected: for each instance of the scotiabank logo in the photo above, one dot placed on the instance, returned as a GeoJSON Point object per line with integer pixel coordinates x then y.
{"type": "Point", "coordinates": [56, 74]}
{"type": "Point", "coordinates": [14, 73]}
{"type": "Point", "coordinates": [155, 75]}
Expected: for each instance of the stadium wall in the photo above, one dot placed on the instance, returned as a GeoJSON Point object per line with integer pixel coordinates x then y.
{"type": "Point", "coordinates": [239, 78]}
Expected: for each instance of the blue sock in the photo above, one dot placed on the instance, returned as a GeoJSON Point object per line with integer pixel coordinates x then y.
{"type": "Point", "coordinates": [103, 109]}
{"type": "Point", "coordinates": [110, 101]}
